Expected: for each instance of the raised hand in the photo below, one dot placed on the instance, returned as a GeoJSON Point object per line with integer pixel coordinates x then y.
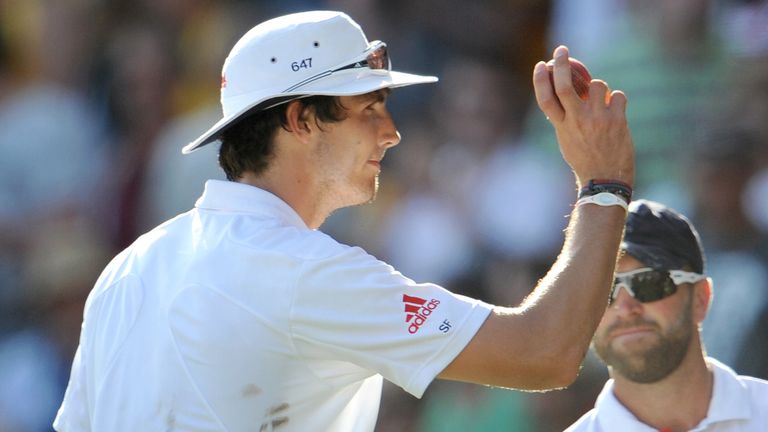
{"type": "Point", "coordinates": [593, 134]}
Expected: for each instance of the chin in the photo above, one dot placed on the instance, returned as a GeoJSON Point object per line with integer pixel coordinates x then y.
{"type": "Point", "coordinates": [363, 197]}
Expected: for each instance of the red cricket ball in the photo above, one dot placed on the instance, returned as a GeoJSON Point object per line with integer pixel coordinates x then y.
{"type": "Point", "coordinates": [579, 76]}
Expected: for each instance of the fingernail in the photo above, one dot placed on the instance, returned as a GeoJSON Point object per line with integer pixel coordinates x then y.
{"type": "Point", "coordinates": [560, 51]}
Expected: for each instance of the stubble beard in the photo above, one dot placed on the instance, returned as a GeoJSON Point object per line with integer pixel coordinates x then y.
{"type": "Point", "coordinates": [655, 362]}
{"type": "Point", "coordinates": [352, 194]}
{"type": "Point", "coordinates": [366, 192]}
{"type": "Point", "coordinates": [342, 190]}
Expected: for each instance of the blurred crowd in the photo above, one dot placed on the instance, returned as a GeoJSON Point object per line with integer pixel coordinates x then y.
{"type": "Point", "coordinates": [97, 97]}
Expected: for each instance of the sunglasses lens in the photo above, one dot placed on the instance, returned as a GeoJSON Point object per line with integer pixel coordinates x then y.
{"type": "Point", "coordinates": [652, 286]}
{"type": "Point", "coordinates": [379, 58]}
{"type": "Point", "coordinates": [648, 286]}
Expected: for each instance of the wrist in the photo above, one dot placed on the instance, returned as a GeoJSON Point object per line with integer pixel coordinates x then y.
{"type": "Point", "coordinates": [604, 199]}
{"type": "Point", "coordinates": [612, 186]}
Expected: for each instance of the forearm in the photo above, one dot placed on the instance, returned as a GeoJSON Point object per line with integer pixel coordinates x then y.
{"type": "Point", "coordinates": [540, 344]}
{"type": "Point", "coordinates": [568, 303]}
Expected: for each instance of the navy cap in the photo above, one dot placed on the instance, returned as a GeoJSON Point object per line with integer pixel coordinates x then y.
{"type": "Point", "coordinates": [662, 238]}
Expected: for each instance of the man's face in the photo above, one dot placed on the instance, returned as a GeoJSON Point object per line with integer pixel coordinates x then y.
{"type": "Point", "coordinates": [645, 342]}
{"type": "Point", "coordinates": [349, 153]}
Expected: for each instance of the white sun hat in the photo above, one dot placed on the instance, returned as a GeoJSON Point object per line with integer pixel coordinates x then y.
{"type": "Point", "coordinates": [297, 55]}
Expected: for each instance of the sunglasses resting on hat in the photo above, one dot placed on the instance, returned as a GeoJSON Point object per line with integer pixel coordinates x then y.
{"type": "Point", "coordinates": [648, 285]}
{"type": "Point", "coordinates": [374, 58]}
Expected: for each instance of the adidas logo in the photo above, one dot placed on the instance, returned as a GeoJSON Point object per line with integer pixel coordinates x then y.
{"type": "Point", "coordinates": [417, 310]}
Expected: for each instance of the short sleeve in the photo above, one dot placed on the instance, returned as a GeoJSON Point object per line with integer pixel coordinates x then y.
{"type": "Point", "coordinates": [355, 308]}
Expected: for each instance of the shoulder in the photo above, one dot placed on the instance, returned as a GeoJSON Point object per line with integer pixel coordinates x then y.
{"type": "Point", "coordinates": [752, 383]}
{"type": "Point", "coordinates": [746, 390]}
{"type": "Point", "coordinates": [323, 257]}
{"type": "Point", "coordinates": [757, 394]}
{"type": "Point", "coordinates": [758, 388]}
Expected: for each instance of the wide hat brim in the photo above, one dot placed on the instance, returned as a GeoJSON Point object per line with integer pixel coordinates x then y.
{"type": "Point", "coordinates": [345, 83]}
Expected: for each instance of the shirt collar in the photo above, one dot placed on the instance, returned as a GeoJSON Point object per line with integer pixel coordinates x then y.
{"type": "Point", "coordinates": [615, 416]}
{"type": "Point", "coordinates": [730, 401]}
{"type": "Point", "coordinates": [228, 196]}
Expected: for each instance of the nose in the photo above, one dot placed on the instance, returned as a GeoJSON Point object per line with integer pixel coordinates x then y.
{"type": "Point", "coordinates": [625, 303]}
{"type": "Point", "coordinates": [390, 136]}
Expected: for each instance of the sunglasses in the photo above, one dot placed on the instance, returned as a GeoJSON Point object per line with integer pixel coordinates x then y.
{"type": "Point", "coordinates": [375, 57]}
{"type": "Point", "coordinates": [648, 285]}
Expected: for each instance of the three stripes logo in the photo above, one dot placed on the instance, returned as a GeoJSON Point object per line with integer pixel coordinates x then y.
{"type": "Point", "coordinates": [417, 310]}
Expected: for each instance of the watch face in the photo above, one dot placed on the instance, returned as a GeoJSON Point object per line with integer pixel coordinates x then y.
{"type": "Point", "coordinates": [606, 198]}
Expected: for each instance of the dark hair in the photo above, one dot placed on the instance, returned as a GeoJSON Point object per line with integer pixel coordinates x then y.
{"type": "Point", "coordinates": [247, 145]}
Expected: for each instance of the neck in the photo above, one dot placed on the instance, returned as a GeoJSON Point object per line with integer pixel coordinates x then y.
{"type": "Point", "coordinates": [688, 389]}
{"type": "Point", "coordinates": [294, 193]}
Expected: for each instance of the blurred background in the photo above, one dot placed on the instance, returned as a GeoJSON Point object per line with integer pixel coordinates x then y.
{"type": "Point", "coordinates": [97, 97]}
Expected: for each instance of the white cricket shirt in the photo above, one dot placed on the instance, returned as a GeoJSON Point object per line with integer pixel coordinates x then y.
{"type": "Point", "coordinates": [237, 317]}
{"type": "Point", "coordinates": [739, 403]}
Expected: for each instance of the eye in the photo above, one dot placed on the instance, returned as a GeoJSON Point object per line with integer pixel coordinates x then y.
{"type": "Point", "coordinates": [370, 106]}
{"type": "Point", "coordinates": [379, 103]}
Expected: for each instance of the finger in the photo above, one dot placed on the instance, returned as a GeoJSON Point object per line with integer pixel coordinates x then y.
{"type": "Point", "coordinates": [618, 102]}
{"type": "Point", "coordinates": [598, 93]}
{"type": "Point", "coordinates": [563, 81]}
{"type": "Point", "coordinates": [545, 95]}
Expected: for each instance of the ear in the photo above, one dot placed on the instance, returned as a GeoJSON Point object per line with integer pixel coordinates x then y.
{"type": "Point", "coordinates": [702, 299]}
{"type": "Point", "coordinates": [299, 121]}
